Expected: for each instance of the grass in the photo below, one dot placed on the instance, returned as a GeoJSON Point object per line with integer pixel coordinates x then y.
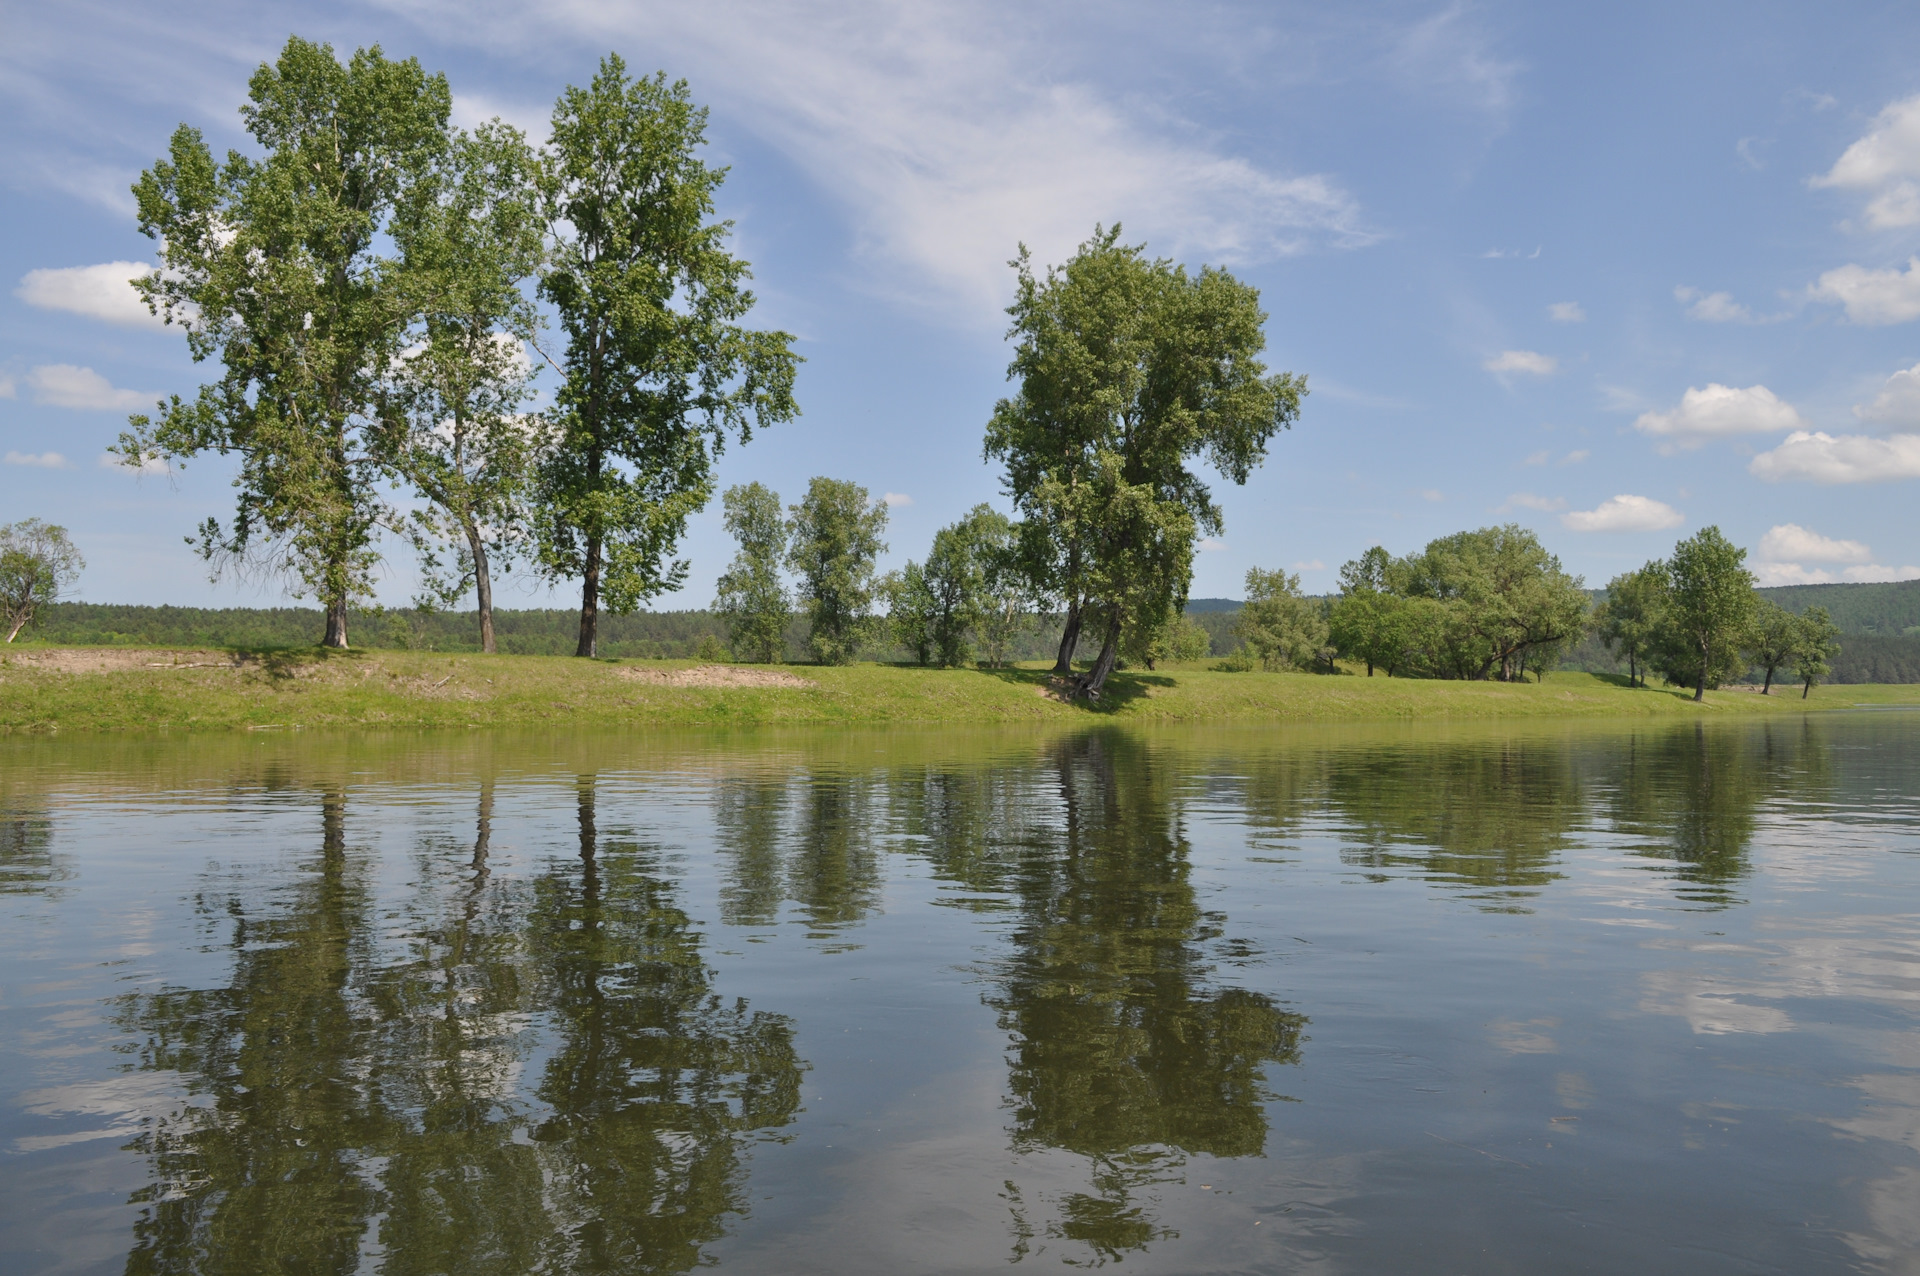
{"type": "Point", "coordinates": [44, 690]}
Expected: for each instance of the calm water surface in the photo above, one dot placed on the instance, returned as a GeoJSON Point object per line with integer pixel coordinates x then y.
{"type": "Point", "coordinates": [1537, 999]}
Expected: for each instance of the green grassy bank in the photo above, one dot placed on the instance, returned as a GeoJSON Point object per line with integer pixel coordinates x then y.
{"type": "Point", "coordinates": [119, 690]}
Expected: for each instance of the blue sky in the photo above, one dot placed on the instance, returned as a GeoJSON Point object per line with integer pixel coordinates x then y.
{"type": "Point", "coordinates": [1613, 272]}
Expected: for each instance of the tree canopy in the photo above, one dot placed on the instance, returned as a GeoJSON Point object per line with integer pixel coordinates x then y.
{"type": "Point", "coordinates": [38, 563]}
{"type": "Point", "coordinates": [1709, 612]}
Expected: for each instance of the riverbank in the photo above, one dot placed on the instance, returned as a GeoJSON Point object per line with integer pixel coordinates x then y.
{"type": "Point", "coordinates": [56, 689]}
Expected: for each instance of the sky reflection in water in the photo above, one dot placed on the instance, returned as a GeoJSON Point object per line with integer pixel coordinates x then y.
{"type": "Point", "coordinates": [1414, 1000]}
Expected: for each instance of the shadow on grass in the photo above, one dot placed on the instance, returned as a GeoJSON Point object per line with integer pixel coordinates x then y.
{"type": "Point", "coordinates": [283, 664]}
{"type": "Point", "coordinates": [1122, 689]}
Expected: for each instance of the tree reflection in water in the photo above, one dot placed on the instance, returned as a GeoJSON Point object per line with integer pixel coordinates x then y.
{"type": "Point", "coordinates": [28, 863]}
{"type": "Point", "coordinates": [1121, 1053]}
{"type": "Point", "coordinates": [808, 840]}
{"type": "Point", "coordinates": [355, 1112]}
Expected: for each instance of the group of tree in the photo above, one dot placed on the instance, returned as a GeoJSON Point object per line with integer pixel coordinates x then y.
{"type": "Point", "coordinates": [831, 542]}
{"type": "Point", "coordinates": [369, 286]}
{"type": "Point", "coordinates": [1695, 619]}
{"type": "Point", "coordinates": [1491, 603]}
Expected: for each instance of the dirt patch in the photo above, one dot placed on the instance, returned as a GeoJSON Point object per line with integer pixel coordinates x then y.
{"type": "Point", "coordinates": [714, 676]}
{"type": "Point", "coordinates": [118, 659]}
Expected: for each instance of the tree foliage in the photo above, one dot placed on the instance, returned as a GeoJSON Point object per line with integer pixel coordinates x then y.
{"type": "Point", "coordinates": [752, 596]}
{"type": "Point", "coordinates": [1128, 370]}
{"type": "Point", "coordinates": [469, 237]}
{"type": "Point", "coordinates": [1772, 639]}
{"type": "Point", "coordinates": [1814, 648]}
{"type": "Point", "coordinates": [38, 563]}
{"type": "Point", "coordinates": [834, 539]}
{"type": "Point", "coordinates": [1709, 613]}
{"type": "Point", "coordinates": [1630, 617]}
{"type": "Point", "coordinates": [274, 268]}
{"type": "Point", "coordinates": [1280, 627]}
{"type": "Point", "coordinates": [657, 371]}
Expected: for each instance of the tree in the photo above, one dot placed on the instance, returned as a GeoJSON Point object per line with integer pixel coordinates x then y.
{"type": "Point", "coordinates": [37, 564]}
{"type": "Point", "coordinates": [1128, 369]}
{"type": "Point", "coordinates": [1818, 643]}
{"type": "Point", "coordinates": [657, 371]}
{"type": "Point", "coordinates": [752, 597]}
{"type": "Point", "coordinates": [1008, 601]}
{"type": "Point", "coordinates": [956, 577]}
{"type": "Point", "coordinates": [469, 236]}
{"type": "Point", "coordinates": [910, 609]}
{"type": "Point", "coordinates": [1709, 612]}
{"type": "Point", "coordinates": [1177, 637]}
{"type": "Point", "coordinates": [1773, 639]}
{"type": "Point", "coordinates": [1503, 595]}
{"type": "Point", "coordinates": [1362, 621]}
{"type": "Point", "coordinates": [835, 538]}
{"type": "Point", "coordinates": [273, 267]}
{"type": "Point", "coordinates": [1282, 628]}
{"type": "Point", "coordinates": [1630, 617]}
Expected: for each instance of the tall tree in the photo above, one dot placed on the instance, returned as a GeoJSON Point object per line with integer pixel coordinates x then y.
{"type": "Point", "coordinates": [1128, 369]}
{"type": "Point", "coordinates": [835, 538]}
{"type": "Point", "coordinates": [1009, 602]}
{"type": "Point", "coordinates": [1709, 611]}
{"type": "Point", "coordinates": [657, 369]}
{"type": "Point", "coordinates": [1817, 643]}
{"type": "Point", "coordinates": [751, 596]}
{"type": "Point", "coordinates": [1772, 640]}
{"type": "Point", "coordinates": [37, 564]}
{"type": "Point", "coordinates": [1283, 629]}
{"type": "Point", "coordinates": [1503, 596]}
{"type": "Point", "coordinates": [1363, 620]}
{"type": "Point", "coordinates": [1630, 617]}
{"type": "Point", "coordinates": [273, 266]}
{"type": "Point", "coordinates": [469, 235]}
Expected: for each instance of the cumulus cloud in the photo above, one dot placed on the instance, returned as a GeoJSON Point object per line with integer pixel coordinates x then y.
{"type": "Point", "coordinates": [1566, 312]}
{"type": "Point", "coordinates": [1771, 574]}
{"type": "Point", "coordinates": [1898, 402]}
{"type": "Point", "coordinates": [1872, 297]}
{"type": "Point", "coordinates": [1527, 361]}
{"type": "Point", "coordinates": [144, 466]}
{"type": "Point", "coordinates": [1884, 161]}
{"type": "Point", "coordinates": [62, 385]}
{"type": "Point", "coordinates": [895, 500]}
{"type": "Point", "coordinates": [39, 460]}
{"type": "Point", "coordinates": [1719, 411]}
{"type": "Point", "coordinates": [1845, 458]}
{"type": "Point", "coordinates": [98, 292]}
{"type": "Point", "coordinates": [1792, 543]}
{"type": "Point", "coordinates": [1717, 307]}
{"type": "Point", "coordinates": [1624, 514]}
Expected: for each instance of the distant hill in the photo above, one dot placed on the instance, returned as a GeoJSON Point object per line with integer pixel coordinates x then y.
{"type": "Point", "coordinates": [1885, 609]}
{"type": "Point", "coordinates": [1201, 606]}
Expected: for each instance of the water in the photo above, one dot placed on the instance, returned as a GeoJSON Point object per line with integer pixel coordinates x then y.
{"type": "Point", "coordinates": [1392, 1000]}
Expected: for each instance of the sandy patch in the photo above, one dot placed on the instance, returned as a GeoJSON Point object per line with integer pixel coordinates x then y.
{"type": "Point", "coordinates": [117, 659]}
{"type": "Point", "coordinates": [713, 676]}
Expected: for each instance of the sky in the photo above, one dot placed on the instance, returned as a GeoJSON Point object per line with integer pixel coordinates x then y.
{"type": "Point", "coordinates": [1612, 272]}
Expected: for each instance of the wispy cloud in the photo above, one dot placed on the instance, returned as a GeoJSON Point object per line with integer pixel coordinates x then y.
{"type": "Point", "coordinates": [39, 460]}
{"type": "Point", "coordinates": [1819, 457]}
{"type": "Point", "coordinates": [1528, 501]}
{"type": "Point", "coordinates": [1529, 362]}
{"type": "Point", "coordinates": [62, 385]}
{"type": "Point", "coordinates": [894, 500]}
{"type": "Point", "coordinates": [151, 465]}
{"type": "Point", "coordinates": [1719, 307]}
{"type": "Point", "coordinates": [1567, 312]}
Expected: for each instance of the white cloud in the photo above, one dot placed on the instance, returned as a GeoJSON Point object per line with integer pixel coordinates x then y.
{"type": "Point", "coordinates": [1528, 501]}
{"type": "Point", "coordinates": [895, 500]}
{"type": "Point", "coordinates": [6, 387]}
{"type": "Point", "coordinates": [1310, 565]}
{"type": "Point", "coordinates": [1872, 297]}
{"type": "Point", "coordinates": [147, 465]}
{"type": "Point", "coordinates": [1847, 458]}
{"type": "Point", "coordinates": [98, 292]}
{"type": "Point", "coordinates": [1889, 151]}
{"type": "Point", "coordinates": [41, 460]}
{"type": "Point", "coordinates": [1770, 574]}
{"type": "Point", "coordinates": [1898, 402]}
{"type": "Point", "coordinates": [1718, 307]}
{"type": "Point", "coordinates": [1538, 458]}
{"type": "Point", "coordinates": [1717, 412]}
{"type": "Point", "coordinates": [1566, 312]}
{"type": "Point", "coordinates": [62, 385]}
{"type": "Point", "coordinates": [1433, 494]}
{"type": "Point", "coordinates": [1575, 457]}
{"type": "Point", "coordinates": [1208, 545]}
{"type": "Point", "coordinates": [1527, 361]}
{"type": "Point", "coordinates": [1792, 543]}
{"type": "Point", "coordinates": [1874, 572]}
{"type": "Point", "coordinates": [1624, 514]}
{"type": "Point", "coordinates": [1897, 206]}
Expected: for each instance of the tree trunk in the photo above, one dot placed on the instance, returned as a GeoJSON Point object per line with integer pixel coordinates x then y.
{"type": "Point", "coordinates": [1633, 672]}
{"type": "Point", "coordinates": [1369, 668]}
{"type": "Point", "coordinates": [1069, 640]}
{"type": "Point", "coordinates": [20, 619]}
{"type": "Point", "coordinates": [336, 635]}
{"type": "Point", "coordinates": [1766, 688]}
{"type": "Point", "coordinates": [1096, 678]}
{"type": "Point", "coordinates": [590, 601]}
{"type": "Point", "coordinates": [1700, 685]}
{"type": "Point", "coordinates": [1807, 690]}
{"type": "Point", "coordinates": [482, 587]}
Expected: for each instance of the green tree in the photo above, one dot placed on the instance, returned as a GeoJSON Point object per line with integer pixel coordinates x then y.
{"type": "Point", "coordinates": [1128, 369]}
{"type": "Point", "coordinates": [1709, 612]}
{"type": "Point", "coordinates": [834, 540]}
{"type": "Point", "coordinates": [1362, 622]}
{"type": "Point", "coordinates": [752, 597]}
{"type": "Point", "coordinates": [1008, 603]}
{"type": "Point", "coordinates": [273, 267]}
{"type": "Point", "coordinates": [1630, 617]}
{"type": "Point", "coordinates": [469, 238]}
{"type": "Point", "coordinates": [1817, 643]}
{"type": "Point", "coordinates": [910, 610]}
{"type": "Point", "coordinates": [1773, 639]}
{"type": "Point", "coordinates": [957, 574]}
{"type": "Point", "coordinates": [1279, 626]}
{"type": "Point", "coordinates": [37, 564]}
{"type": "Point", "coordinates": [1177, 637]}
{"type": "Point", "coordinates": [1503, 595]}
{"type": "Point", "coordinates": [657, 371]}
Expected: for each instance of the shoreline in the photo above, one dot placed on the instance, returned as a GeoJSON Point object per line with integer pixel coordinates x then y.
{"type": "Point", "coordinates": [113, 690]}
